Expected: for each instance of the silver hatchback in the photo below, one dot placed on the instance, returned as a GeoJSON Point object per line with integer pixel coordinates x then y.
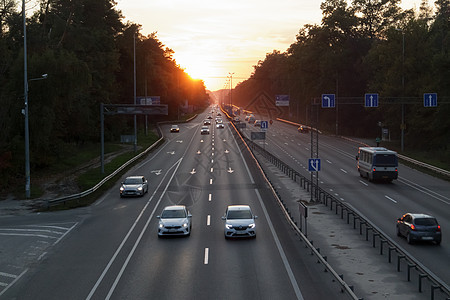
{"type": "Point", "coordinates": [239, 222]}
{"type": "Point", "coordinates": [175, 220]}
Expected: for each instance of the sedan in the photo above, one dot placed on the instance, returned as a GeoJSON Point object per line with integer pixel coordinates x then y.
{"type": "Point", "coordinates": [303, 129]}
{"type": "Point", "coordinates": [207, 122]}
{"type": "Point", "coordinates": [174, 128]}
{"type": "Point", "coordinates": [175, 220]}
{"type": "Point", "coordinates": [134, 186]}
{"type": "Point", "coordinates": [239, 222]}
{"type": "Point", "coordinates": [220, 126]}
{"type": "Point", "coordinates": [204, 130]}
{"type": "Point", "coordinates": [419, 227]}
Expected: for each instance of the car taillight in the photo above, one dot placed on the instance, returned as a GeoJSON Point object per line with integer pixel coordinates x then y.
{"type": "Point", "coordinates": [413, 227]}
{"type": "Point", "coordinates": [396, 170]}
{"type": "Point", "coordinates": [374, 169]}
{"type": "Point", "coordinates": [439, 228]}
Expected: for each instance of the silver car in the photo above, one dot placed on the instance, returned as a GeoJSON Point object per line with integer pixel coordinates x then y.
{"type": "Point", "coordinates": [134, 186]}
{"type": "Point", "coordinates": [239, 222]}
{"type": "Point", "coordinates": [175, 220]}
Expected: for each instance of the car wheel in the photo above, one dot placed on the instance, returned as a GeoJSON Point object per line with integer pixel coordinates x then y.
{"type": "Point", "coordinates": [409, 239]}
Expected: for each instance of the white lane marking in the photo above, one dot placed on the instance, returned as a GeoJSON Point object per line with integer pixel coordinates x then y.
{"type": "Point", "coordinates": [280, 249]}
{"type": "Point", "coordinates": [212, 170]}
{"type": "Point", "coordinates": [208, 220]}
{"type": "Point", "coordinates": [344, 171]}
{"type": "Point", "coordinates": [390, 199]}
{"type": "Point", "coordinates": [210, 181]}
{"type": "Point", "coordinates": [212, 149]}
{"type": "Point", "coordinates": [8, 275]}
{"type": "Point", "coordinates": [212, 160]}
{"type": "Point", "coordinates": [3, 284]}
{"type": "Point", "coordinates": [424, 190]}
{"type": "Point", "coordinates": [113, 258]}
{"type": "Point", "coordinates": [13, 282]}
{"type": "Point", "coordinates": [212, 154]}
{"type": "Point", "coordinates": [329, 162]}
{"type": "Point", "coordinates": [210, 197]}
{"type": "Point", "coordinates": [363, 183]}
{"type": "Point", "coordinates": [206, 259]}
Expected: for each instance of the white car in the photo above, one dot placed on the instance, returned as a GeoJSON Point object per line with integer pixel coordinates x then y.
{"type": "Point", "coordinates": [239, 222]}
{"type": "Point", "coordinates": [204, 130]}
{"type": "Point", "coordinates": [133, 186]}
{"type": "Point", "coordinates": [175, 220]}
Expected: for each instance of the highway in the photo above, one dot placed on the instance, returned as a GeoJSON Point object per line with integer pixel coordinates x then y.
{"type": "Point", "coordinates": [381, 203]}
{"type": "Point", "coordinates": [111, 250]}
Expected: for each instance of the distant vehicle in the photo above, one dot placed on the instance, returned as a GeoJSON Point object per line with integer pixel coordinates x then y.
{"type": "Point", "coordinates": [251, 119]}
{"type": "Point", "coordinates": [174, 128]}
{"type": "Point", "coordinates": [239, 222]}
{"type": "Point", "coordinates": [220, 126]}
{"type": "Point", "coordinates": [207, 122]}
{"type": "Point", "coordinates": [419, 227]}
{"type": "Point", "coordinates": [218, 114]}
{"type": "Point", "coordinates": [175, 220]}
{"type": "Point", "coordinates": [377, 163]}
{"type": "Point", "coordinates": [303, 129]}
{"type": "Point", "coordinates": [219, 120]}
{"type": "Point", "coordinates": [257, 123]}
{"type": "Point", "coordinates": [209, 117]}
{"type": "Point", "coordinates": [134, 186]}
{"type": "Point", "coordinates": [246, 118]}
{"type": "Point", "coordinates": [204, 130]}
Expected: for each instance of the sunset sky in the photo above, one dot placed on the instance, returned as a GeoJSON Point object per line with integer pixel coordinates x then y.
{"type": "Point", "coordinates": [214, 38]}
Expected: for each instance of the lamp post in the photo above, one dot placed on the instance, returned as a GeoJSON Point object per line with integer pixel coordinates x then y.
{"type": "Point", "coordinates": [402, 125]}
{"type": "Point", "coordinates": [231, 91]}
{"type": "Point", "coordinates": [25, 110]}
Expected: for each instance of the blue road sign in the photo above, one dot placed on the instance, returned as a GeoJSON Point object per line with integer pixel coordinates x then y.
{"type": "Point", "coordinates": [314, 164]}
{"type": "Point", "coordinates": [328, 100]}
{"type": "Point", "coordinates": [430, 99]}
{"type": "Point", "coordinates": [371, 100]}
{"type": "Point", "coordinates": [264, 125]}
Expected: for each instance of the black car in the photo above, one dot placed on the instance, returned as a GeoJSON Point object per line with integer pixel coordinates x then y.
{"type": "Point", "coordinates": [419, 227]}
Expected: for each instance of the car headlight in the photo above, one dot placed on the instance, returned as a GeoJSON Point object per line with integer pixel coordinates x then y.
{"type": "Point", "coordinates": [228, 226]}
{"type": "Point", "coordinates": [140, 188]}
{"type": "Point", "coordinates": [122, 188]}
{"type": "Point", "coordinates": [251, 225]}
{"type": "Point", "coordinates": [161, 225]}
{"type": "Point", "coordinates": [185, 225]}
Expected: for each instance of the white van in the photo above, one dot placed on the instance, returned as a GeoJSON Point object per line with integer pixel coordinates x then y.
{"type": "Point", "coordinates": [377, 163]}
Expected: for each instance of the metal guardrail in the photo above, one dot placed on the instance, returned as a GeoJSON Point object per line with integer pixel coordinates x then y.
{"type": "Point", "coordinates": [339, 278]}
{"type": "Point", "coordinates": [403, 157]}
{"type": "Point", "coordinates": [377, 235]}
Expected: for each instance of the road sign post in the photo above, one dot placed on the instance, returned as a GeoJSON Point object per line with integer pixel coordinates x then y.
{"type": "Point", "coordinates": [430, 99]}
{"type": "Point", "coordinates": [371, 100]}
{"type": "Point", "coordinates": [264, 125]}
{"type": "Point", "coordinates": [328, 100]}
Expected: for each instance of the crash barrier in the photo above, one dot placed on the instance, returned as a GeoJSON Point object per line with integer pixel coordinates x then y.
{"type": "Point", "coordinates": [402, 157]}
{"type": "Point", "coordinates": [426, 280]}
{"type": "Point", "coordinates": [62, 200]}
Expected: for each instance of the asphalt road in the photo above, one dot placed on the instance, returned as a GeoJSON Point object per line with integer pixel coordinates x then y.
{"type": "Point", "coordinates": [110, 250]}
{"type": "Point", "coordinates": [382, 203]}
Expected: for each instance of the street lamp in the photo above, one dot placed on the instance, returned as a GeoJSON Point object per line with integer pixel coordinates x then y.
{"type": "Point", "coordinates": [402, 126]}
{"type": "Point", "coordinates": [231, 91]}
{"type": "Point", "coordinates": [27, 134]}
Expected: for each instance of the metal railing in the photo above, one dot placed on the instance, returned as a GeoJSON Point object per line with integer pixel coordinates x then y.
{"type": "Point", "coordinates": [377, 236]}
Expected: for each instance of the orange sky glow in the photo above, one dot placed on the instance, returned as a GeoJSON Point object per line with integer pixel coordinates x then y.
{"type": "Point", "coordinates": [214, 38]}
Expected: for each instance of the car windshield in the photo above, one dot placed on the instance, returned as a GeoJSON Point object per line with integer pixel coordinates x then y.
{"type": "Point", "coordinates": [239, 214]}
{"type": "Point", "coordinates": [385, 160]}
{"type": "Point", "coordinates": [425, 222]}
{"type": "Point", "coordinates": [132, 181]}
{"type": "Point", "coordinates": [173, 213]}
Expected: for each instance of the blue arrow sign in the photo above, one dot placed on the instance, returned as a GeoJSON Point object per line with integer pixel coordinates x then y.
{"type": "Point", "coordinates": [264, 125]}
{"type": "Point", "coordinates": [328, 100]}
{"type": "Point", "coordinates": [371, 100]}
{"type": "Point", "coordinates": [430, 99]}
{"type": "Point", "coordinates": [314, 164]}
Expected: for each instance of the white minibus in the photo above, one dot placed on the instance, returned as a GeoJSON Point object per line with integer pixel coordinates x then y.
{"type": "Point", "coordinates": [377, 163]}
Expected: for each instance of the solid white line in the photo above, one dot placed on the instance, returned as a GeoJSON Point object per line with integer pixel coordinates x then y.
{"type": "Point", "coordinates": [208, 220]}
{"type": "Point", "coordinates": [210, 197]}
{"type": "Point", "coordinates": [280, 249]}
{"type": "Point", "coordinates": [113, 258]}
{"type": "Point", "coordinates": [206, 259]}
{"type": "Point", "coordinates": [424, 190]}
{"type": "Point", "coordinates": [363, 183]}
{"type": "Point", "coordinates": [390, 199]}
{"type": "Point", "coordinates": [67, 232]}
{"type": "Point", "coordinates": [13, 282]}
{"type": "Point", "coordinates": [144, 229]}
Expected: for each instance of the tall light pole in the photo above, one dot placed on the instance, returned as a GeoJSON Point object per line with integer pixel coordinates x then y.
{"type": "Point", "coordinates": [25, 110]}
{"type": "Point", "coordinates": [231, 91]}
{"type": "Point", "coordinates": [402, 125]}
{"type": "Point", "coordinates": [134, 90]}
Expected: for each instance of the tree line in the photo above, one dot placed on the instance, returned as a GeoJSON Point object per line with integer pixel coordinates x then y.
{"type": "Point", "coordinates": [87, 52]}
{"type": "Point", "coordinates": [366, 46]}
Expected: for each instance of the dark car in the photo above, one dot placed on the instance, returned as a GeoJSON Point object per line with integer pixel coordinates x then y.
{"type": "Point", "coordinates": [303, 129]}
{"type": "Point", "coordinates": [419, 227]}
